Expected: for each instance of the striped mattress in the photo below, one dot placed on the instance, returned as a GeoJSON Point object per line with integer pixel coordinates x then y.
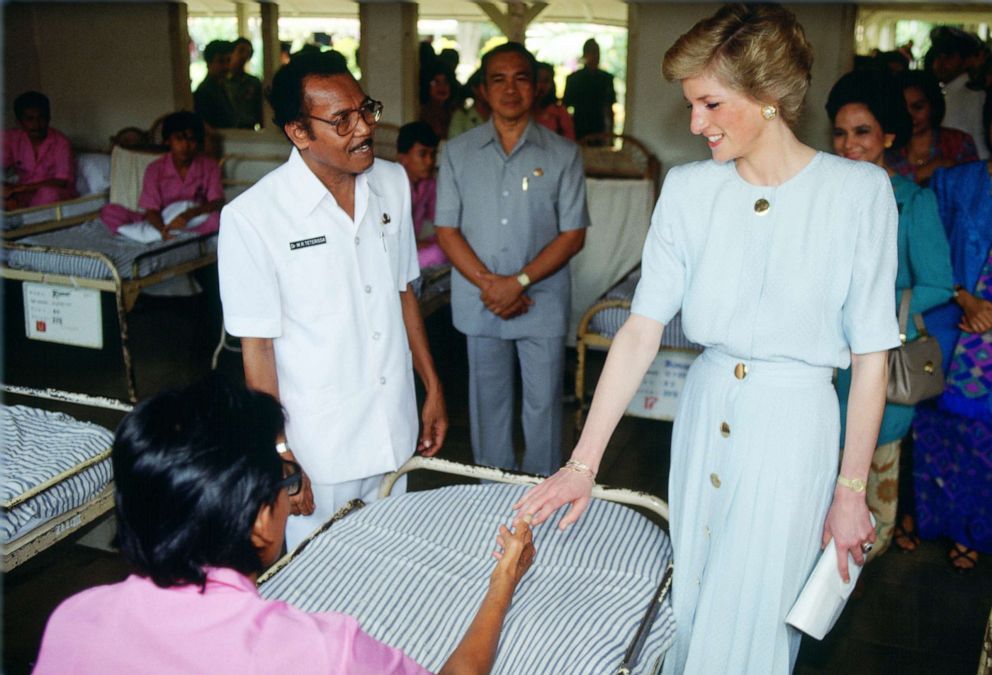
{"type": "Point", "coordinates": [414, 568]}
{"type": "Point", "coordinates": [94, 236]}
{"type": "Point", "coordinates": [37, 446]}
{"type": "Point", "coordinates": [607, 322]}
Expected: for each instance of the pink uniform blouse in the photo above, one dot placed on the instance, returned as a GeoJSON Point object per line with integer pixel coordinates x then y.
{"type": "Point", "coordinates": [137, 627]}
{"type": "Point", "coordinates": [162, 186]}
{"type": "Point", "coordinates": [53, 160]}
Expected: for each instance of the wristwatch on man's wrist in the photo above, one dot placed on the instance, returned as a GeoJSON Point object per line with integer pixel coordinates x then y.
{"type": "Point", "coordinates": [523, 279]}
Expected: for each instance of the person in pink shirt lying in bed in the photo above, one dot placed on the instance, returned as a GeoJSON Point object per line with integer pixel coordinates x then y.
{"type": "Point", "coordinates": [181, 190]}
{"type": "Point", "coordinates": [202, 498]}
{"type": "Point", "coordinates": [38, 155]}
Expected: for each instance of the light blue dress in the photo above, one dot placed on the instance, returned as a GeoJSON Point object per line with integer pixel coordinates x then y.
{"type": "Point", "coordinates": [779, 296]}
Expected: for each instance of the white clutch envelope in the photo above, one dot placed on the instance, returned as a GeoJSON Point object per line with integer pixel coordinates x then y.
{"type": "Point", "coordinates": [823, 597]}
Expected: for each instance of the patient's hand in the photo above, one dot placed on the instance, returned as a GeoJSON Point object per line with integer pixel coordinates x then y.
{"type": "Point", "coordinates": [517, 552]}
{"type": "Point", "coordinates": [179, 222]}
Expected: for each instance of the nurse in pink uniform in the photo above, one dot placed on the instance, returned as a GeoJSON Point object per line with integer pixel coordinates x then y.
{"type": "Point", "coordinates": [37, 159]}
{"type": "Point", "coordinates": [181, 190]}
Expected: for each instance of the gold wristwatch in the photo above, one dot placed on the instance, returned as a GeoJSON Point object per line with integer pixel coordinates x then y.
{"type": "Point", "coordinates": [855, 484]}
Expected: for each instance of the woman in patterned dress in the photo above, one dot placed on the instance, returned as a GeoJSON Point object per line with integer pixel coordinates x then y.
{"type": "Point", "coordinates": [953, 435]}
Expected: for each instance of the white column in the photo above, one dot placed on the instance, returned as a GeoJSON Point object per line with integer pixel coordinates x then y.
{"type": "Point", "coordinates": [388, 57]}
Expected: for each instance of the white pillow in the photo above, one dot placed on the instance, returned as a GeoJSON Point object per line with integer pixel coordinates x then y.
{"type": "Point", "coordinates": [92, 172]}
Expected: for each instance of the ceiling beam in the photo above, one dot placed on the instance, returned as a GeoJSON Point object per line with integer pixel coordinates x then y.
{"type": "Point", "coordinates": [513, 23]}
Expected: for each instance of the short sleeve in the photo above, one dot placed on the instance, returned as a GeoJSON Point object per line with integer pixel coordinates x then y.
{"type": "Point", "coordinates": [214, 188]}
{"type": "Point", "coordinates": [448, 212]}
{"type": "Point", "coordinates": [663, 266]}
{"type": "Point", "coordinates": [249, 285]}
{"type": "Point", "coordinates": [869, 312]}
{"type": "Point", "coordinates": [409, 268]}
{"type": "Point", "coordinates": [573, 212]}
{"type": "Point", "coordinates": [151, 192]}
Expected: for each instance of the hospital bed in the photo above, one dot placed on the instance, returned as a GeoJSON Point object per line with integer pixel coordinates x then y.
{"type": "Point", "coordinates": [57, 476]}
{"type": "Point", "coordinates": [86, 255]}
{"type": "Point", "coordinates": [621, 188]}
{"type": "Point", "coordinates": [657, 397]}
{"type": "Point", "coordinates": [92, 184]}
{"type": "Point", "coordinates": [413, 568]}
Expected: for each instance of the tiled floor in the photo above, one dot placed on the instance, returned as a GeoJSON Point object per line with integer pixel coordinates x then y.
{"type": "Point", "coordinates": [916, 616]}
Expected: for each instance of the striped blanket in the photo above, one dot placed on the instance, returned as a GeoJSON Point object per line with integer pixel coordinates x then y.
{"type": "Point", "coordinates": [607, 322]}
{"type": "Point", "coordinates": [94, 236]}
{"type": "Point", "coordinates": [414, 568]}
{"type": "Point", "coordinates": [38, 445]}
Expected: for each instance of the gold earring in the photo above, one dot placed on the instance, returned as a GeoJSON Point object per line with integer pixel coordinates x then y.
{"type": "Point", "coordinates": [888, 144]}
{"type": "Point", "coordinates": [769, 112]}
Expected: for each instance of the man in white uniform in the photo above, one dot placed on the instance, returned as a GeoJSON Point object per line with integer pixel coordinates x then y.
{"type": "Point", "coordinates": [315, 264]}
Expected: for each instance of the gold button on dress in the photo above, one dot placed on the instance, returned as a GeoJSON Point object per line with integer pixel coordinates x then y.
{"type": "Point", "coordinates": [740, 371]}
{"type": "Point", "coordinates": [725, 430]}
{"type": "Point", "coordinates": [761, 206]}
{"type": "Point", "coordinates": [715, 479]}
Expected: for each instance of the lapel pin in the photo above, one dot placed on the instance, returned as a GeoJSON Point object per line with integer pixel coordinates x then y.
{"type": "Point", "coordinates": [538, 171]}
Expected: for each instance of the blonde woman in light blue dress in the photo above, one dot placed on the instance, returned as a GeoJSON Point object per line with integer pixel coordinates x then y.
{"type": "Point", "coordinates": [782, 260]}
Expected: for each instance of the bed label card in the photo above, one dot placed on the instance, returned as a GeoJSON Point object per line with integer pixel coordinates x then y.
{"type": "Point", "coordinates": [63, 314]}
{"type": "Point", "coordinates": [658, 396]}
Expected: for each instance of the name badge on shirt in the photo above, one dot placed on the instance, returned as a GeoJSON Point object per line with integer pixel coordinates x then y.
{"type": "Point", "coordinates": [303, 243]}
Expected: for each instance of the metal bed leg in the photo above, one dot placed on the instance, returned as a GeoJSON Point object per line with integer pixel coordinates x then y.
{"type": "Point", "coordinates": [220, 347]}
{"type": "Point", "coordinates": [132, 389]}
{"type": "Point", "coordinates": [580, 383]}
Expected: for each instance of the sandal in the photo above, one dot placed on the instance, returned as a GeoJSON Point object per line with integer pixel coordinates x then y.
{"type": "Point", "coordinates": [904, 535]}
{"type": "Point", "coordinates": [962, 558]}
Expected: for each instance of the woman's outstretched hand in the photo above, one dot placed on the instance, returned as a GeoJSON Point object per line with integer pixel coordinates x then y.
{"type": "Point", "coordinates": [564, 487]}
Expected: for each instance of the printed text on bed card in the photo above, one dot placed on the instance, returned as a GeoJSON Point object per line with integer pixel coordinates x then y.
{"type": "Point", "coordinates": [658, 395]}
{"type": "Point", "coordinates": [63, 314]}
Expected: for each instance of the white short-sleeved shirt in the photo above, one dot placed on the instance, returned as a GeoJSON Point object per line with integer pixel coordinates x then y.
{"type": "Point", "coordinates": [809, 279]}
{"type": "Point", "coordinates": [295, 268]}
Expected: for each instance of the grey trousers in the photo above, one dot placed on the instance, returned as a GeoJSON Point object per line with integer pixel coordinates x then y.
{"type": "Point", "coordinates": [492, 364]}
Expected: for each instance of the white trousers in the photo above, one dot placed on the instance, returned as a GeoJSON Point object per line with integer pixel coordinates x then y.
{"type": "Point", "coordinates": [328, 498]}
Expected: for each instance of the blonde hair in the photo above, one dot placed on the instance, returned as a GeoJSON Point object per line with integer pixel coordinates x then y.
{"type": "Point", "coordinates": [759, 50]}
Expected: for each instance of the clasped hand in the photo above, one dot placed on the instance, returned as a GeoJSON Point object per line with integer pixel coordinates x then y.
{"type": "Point", "coordinates": [503, 295]}
{"type": "Point", "coordinates": [977, 313]}
{"type": "Point", "coordinates": [515, 550]}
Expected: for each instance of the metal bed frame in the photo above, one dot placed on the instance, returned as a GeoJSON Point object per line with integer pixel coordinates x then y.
{"type": "Point", "coordinates": [632, 498]}
{"type": "Point", "coordinates": [586, 339]}
{"type": "Point", "coordinates": [60, 219]}
{"type": "Point", "coordinates": [56, 529]}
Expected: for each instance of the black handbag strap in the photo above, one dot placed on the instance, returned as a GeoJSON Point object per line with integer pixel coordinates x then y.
{"type": "Point", "coordinates": [921, 327]}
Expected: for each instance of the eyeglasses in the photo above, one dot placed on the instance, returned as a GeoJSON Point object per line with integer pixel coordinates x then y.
{"type": "Point", "coordinates": [345, 122]}
{"type": "Point", "coordinates": [292, 478]}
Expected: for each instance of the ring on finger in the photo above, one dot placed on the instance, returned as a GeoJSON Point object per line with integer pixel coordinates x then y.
{"type": "Point", "coordinates": [866, 547]}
